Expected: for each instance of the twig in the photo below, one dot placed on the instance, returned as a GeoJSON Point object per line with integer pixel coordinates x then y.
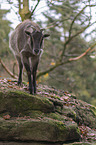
{"type": "Point", "coordinates": [56, 23]}
{"type": "Point", "coordinates": [35, 7]}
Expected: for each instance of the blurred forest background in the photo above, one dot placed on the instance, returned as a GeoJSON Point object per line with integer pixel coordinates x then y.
{"type": "Point", "coordinates": [69, 58]}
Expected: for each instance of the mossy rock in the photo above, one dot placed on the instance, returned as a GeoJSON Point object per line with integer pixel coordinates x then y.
{"type": "Point", "coordinates": [46, 129]}
{"type": "Point", "coordinates": [85, 115]}
{"type": "Point", "coordinates": [80, 143]}
{"type": "Point", "coordinates": [50, 116]}
{"type": "Point", "coordinates": [17, 102]}
{"type": "Point", "coordinates": [44, 124]}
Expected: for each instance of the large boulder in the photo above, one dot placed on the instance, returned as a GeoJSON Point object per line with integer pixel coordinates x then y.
{"type": "Point", "coordinates": [51, 116]}
{"type": "Point", "coordinates": [33, 118]}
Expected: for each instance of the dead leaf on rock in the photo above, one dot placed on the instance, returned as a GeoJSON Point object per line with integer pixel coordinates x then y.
{"type": "Point", "coordinates": [10, 86]}
{"type": "Point", "coordinates": [9, 80]}
{"type": "Point", "coordinates": [65, 98]}
{"type": "Point", "coordinates": [7, 117]}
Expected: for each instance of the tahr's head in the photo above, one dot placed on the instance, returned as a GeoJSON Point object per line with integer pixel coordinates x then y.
{"type": "Point", "coordinates": [35, 39]}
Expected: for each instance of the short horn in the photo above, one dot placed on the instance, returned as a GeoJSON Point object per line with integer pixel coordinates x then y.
{"type": "Point", "coordinates": [33, 28]}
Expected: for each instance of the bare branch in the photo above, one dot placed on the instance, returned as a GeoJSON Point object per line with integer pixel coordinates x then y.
{"type": "Point", "coordinates": [40, 8]}
{"type": "Point", "coordinates": [79, 32]}
{"type": "Point", "coordinates": [7, 70]}
{"type": "Point", "coordinates": [93, 49]}
{"type": "Point", "coordinates": [83, 54]}
{"type": "Point", "coordinates": [77, 16]}
{"type": "Point", "coordinates": [35, 7]}
{"type": "Point", "coordinates": [56, 23]}
{"type": "Point", "coordinates": [9, 1]}
{"type": "Point", "coordinates": [67, 61]}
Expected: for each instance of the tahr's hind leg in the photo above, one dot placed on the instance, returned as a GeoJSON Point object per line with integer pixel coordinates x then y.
{"type": "Point", "coordinates": [20, 70]}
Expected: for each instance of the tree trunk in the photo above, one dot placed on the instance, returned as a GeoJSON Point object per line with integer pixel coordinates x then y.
{"type": "Point", "coordinates": [24, 11]}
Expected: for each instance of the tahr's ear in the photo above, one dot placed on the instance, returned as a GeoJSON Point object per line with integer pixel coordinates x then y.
{"type": "Point", "coordinates": [46, 35]}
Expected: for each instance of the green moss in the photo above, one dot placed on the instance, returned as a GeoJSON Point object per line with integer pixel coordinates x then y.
{"type": "Point", "coordinates": [36, 114]}
{"type": "Point", "coordinates": [57, 97]}
{"type": "Point", "coordinates": [17, 93]}
{"type": "Point", "coordinates": [56, 116]}
{"type": "Point", "coordinates": [18, 102]}
{"type": "Point", "coordinates": [60, 125]}
{"type": "Point", "coordinates": [78, 130]}
{"type": "Point", "coordinates": [68, 111]}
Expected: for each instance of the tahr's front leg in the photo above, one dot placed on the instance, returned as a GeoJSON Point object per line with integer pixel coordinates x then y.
{"type": "Point", "coordinates": [27, 67]}
{"type": "Point", "coordinates": [34, 80]}
{"type": "Point", "coordinates": [34, 70]}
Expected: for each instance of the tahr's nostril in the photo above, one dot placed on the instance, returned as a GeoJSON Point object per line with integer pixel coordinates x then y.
{"type": "Point", "coordinates": [36, 50]}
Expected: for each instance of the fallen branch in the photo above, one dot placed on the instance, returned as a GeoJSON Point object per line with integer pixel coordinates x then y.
{"type": "Point", "coordinates": [7, 70]}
